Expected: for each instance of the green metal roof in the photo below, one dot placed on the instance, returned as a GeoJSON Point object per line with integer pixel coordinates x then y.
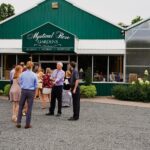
{"type": "Point", "coordinates": [68, 17]}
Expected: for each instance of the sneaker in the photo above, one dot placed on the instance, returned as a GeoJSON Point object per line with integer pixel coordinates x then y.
{"type": "Point", "coordinates": [28, 126]}
{"type": "Point", "coordinates": [58, 115]}
{"type": "Point", "coordinates": [73, 119]}
{"type": "Point", "coordinates": [49, 114]}
{"type": "Point", "coordinates": [18, 126]}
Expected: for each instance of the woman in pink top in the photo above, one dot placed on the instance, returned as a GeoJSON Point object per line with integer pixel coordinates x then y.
{"type": "Point", "coordinates": [15, 92]}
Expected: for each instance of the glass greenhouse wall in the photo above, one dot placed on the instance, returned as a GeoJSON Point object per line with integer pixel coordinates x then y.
{"type": "Point", "coordinates": [138, 49]}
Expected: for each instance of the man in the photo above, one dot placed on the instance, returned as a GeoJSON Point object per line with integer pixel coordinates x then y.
{"type": "Point", "coordinates": [28, 82]}
{"type": "Point", "coordinates": [58, 79]}
{"type": "Point", "coordinates": [75, 91]}
{"type": "Point", "coordinates": [23, 66]}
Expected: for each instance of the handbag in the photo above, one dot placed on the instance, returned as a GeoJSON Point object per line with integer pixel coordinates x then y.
{"type": "Point", "coordinates": [46, 90]}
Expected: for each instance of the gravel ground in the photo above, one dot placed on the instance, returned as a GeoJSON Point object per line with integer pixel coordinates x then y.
{"type": "Point", "coordinates": [101, 127]}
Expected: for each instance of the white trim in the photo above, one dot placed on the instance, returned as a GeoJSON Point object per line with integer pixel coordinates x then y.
{"type": "Point", "coordinates": [109, 82]}
{"type": "Point", "coordinates": [77, 61]}
{"type": "Point", "coordinates": [83, 9]}
{"type": "Point", "coordinates": [108, 68]}
{"type": "Point", "coordinates": [53, 61]}
{"type": "Point", "coordinates": [124, 68]}
{"type": "Point", "coordinates": [16, 59]}
{"type": "Point", "coordinates": [101, 47]}
{"type": "Point", "coordinates": [136, 24]}
{"type": "Point", "coordinates": [10, 43]}
{"type": "Point", "coordinates": [11, 51]}
{"type": "Point", "coordinates": [50, 24]}
{"type": "Point", "coordinates": [137, 66]}
{"type": "Point", "coordinates": [76, 43]}
{"type": "Point", "coordinates": [81, 46]}
{"type": "Point", "coordinates": [137, 48]}
{"type": "Point", "coordinates": [92, 67]}
{"type": "Point", "coordinates": [1, 67]}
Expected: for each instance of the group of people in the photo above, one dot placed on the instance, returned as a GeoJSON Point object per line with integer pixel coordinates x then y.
{"type": "Point", "coordinates": [113, 77]}
{"type": "Point", "coordinates": [116, 77]}
{"type": "Point", "coordinates": [25, 84]}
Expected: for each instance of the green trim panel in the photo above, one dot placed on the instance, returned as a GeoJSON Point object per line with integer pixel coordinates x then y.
{"type": "Point", "coordinates": [3, 83]}
{"type": "Point", "coordinates": [104, 89]}
{"type": "Point", "coordinates": [67, 16]}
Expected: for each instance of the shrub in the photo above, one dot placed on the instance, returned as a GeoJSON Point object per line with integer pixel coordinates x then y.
{"type": "Point", "coordinates": [135, 92]}
{"type": "Point", "coordinates": [88, 76]}
{"type": "Point", "coordinates": [1, 92]}
{"type": "Point", "coordinates": [120, 92]}
{"type": "Point", "coordinates": [88, 91]}
{"type": "Point", "coordinates": [6, 89]}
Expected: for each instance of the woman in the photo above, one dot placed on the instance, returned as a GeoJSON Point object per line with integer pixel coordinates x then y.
{"type": "Point", "coordinates": [40, 80]}
{"type": "Point", "coordinates": [47, 85]}
{"type": "Point", "coordinates": [67, 97]}
{"type": "Point", "coordinates": [15, 92]}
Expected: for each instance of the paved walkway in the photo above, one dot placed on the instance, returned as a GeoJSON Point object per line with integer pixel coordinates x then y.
{"type": "Point", "coordinates": [106, 100]}
{"type": "Point", "coordinates": [101, 127]}
{"type": "Point", "coordinates": [110, 100]}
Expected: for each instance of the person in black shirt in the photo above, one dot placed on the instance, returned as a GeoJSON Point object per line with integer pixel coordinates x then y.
{"type": "Point", "coordinates": [67, 96]}
{"type": "Point", "coordinates": [74, 83]}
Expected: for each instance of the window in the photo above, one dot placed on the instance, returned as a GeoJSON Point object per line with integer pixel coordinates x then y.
{"type": "Point", "coordinates": [84, 62]}
{"type": "Point", "coordinates": [100, 68]}
{"type": "Point", "coordinates": [35, 58]}
{"type": "Point", "coordinates": [61, 57]}
{"type": "Point", "coordinates": [116, 68]}
{"type": "Point", "coordinates": [46, 57]}
{"type": "Point", "coordinates": [23, 58]}
{"type": "Point", "coordinates": [73, 58]}
{"type": "Point", "coordinates": [138, 71]}
{"type": "Point", "coordinates": [8, 62]}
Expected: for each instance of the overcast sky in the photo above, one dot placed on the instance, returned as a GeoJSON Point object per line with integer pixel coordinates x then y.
{"type": "Point", "coordinates": [111, 10]}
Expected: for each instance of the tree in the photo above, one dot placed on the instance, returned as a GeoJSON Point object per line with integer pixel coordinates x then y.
{"type": "Point", "coordinates": [6, 10]}
{"type": "Point", "coordinates": [136, 19]}
{"type": "Point", "coordinates": [121, 24]}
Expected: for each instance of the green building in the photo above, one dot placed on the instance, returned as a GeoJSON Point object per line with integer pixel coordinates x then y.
{"type": "Point", "coordinates": [57, 30]}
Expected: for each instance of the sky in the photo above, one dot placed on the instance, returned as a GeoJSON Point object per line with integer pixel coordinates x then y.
{"type": "Point", "coordinates": [114, 11]}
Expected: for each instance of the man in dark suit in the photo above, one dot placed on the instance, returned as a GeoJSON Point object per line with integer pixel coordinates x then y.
{"type": "Point", "coordinates": [74, 82]}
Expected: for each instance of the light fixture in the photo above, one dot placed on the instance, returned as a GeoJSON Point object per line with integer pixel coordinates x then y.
{"type": "Point", "coordinates": [55, 5]}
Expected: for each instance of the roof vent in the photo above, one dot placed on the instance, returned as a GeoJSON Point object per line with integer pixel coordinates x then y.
{"type": "Point", "coordinates": [55, 5]}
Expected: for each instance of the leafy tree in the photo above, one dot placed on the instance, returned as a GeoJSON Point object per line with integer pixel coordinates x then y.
{"type": "Point", "coordinates": [136, 19]}
{"type": "Point", "coordinates": [122, 24]}
{"type": "Point", "coordinates": [6, 10]}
